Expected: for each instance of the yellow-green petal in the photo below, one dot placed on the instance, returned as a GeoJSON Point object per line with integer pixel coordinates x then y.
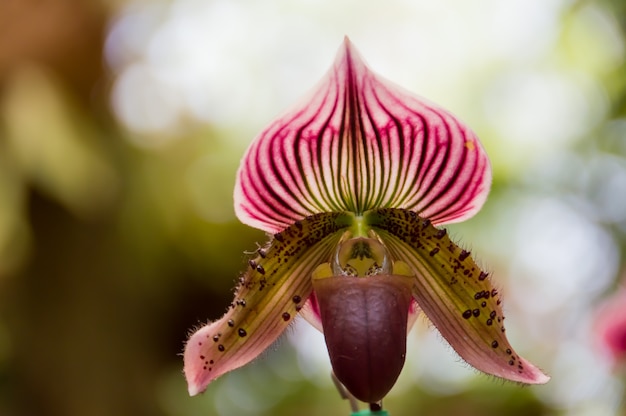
{"type": "Point", "coordinates": [269, 295]}
{"type": "Point", "coordinates": [454, 293]}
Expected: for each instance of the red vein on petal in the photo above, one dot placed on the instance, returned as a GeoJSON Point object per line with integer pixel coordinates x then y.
{"type": "Point", "coordinates": [459, 197]}
{"type": "Point", "coordinates": [361, 143]}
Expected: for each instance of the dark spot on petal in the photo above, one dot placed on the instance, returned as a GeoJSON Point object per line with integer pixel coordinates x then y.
{"type": "Point", "coordinates": [464, 254]}
{"type": "Point", "coordinates": [221, 347]}
{"type": "Point", "coordinates": [262, 253]}
{"type": "Point", "coordinates": [252, 264]}
{"type": "Point", "coordinates": [482, 276]}
{"type": "Point", "coordinates": [511, 362]}
{"type": "Point", "coordinates": [467, 314]}
{"type": "Point", "coordinates": [260, 269]}
{"type": "Point", "coordinates": [440, 234]}
{"type": "Point", "coordinates": [483, 304]}
{"type": "Point", "coordinates": [494, 292]}
{"type": "Point", "coordinates": [494, 344]}
{"type": "Point", "coordinates": [492, 315]}
{"type": "Point", "coordinates": [211, 362]}
{"type": "Point", "coordinates": [508, 351]}
{"type": "Point", "coordinates": [489, 322]}
{"type": "Point", "coordinates": [204, 367]}
{"type": "Point", "coordinates": [298, 308]}
{"type": "Point", "coordinates": [216, 338]}
{"type": "Point", "coordinates": [242, 332]}
{"type": "Point", "coordinates": [286, 316]}
{"type": "Point", "coordinates": [426, 223]}
{"type": "Point", "coordinates": [434, 251]}
{"type": "Point", "coordinates": [298, 224]}
{"type": "Point", "coordinates": [476, 312]}
{"type": "Point", "coordinates": [296, 299]}
{"type": "Point", "coordinates": [202, 357]}
{"type": "Point", "coordinates": [231, 323]}
{"type": "Point", "coordinates": [498, 302]}
{"type": "Point", "coordinates": [279, 237]}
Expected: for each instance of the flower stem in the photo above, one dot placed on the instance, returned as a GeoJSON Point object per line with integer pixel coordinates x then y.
{"type": "Point", "coordinates": [370, 413]}
{"type": "Point", "coordinates": [345, 394]}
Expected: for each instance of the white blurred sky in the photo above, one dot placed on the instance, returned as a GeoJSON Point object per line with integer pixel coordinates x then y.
{"type": "Point", "coordinates": [219, 60]}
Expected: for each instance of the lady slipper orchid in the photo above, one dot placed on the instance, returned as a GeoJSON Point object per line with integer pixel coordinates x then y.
{"type": "Point", "coordinates": [352, 184]}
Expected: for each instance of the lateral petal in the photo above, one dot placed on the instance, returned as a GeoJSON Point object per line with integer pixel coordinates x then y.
{"type": "Point", "coordinates": [269, 295]}
{"type": "Point", "coordinates": [360, 142]}
{"type": "Point", "coordinates": [455, 294]}
{"type": "Point", "coordinates": [311, 312]}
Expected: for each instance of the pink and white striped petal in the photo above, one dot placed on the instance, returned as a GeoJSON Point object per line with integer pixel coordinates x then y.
{"type": "Point", "coordinates": [270, 294]}
{"type": "Point", "coordinates": [356, 143]}
{"type": "Point", "coordinates": [455, 294]}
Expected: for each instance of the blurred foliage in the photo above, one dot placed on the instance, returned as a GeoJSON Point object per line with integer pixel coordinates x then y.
{"type": "Point", "coordinates": [110, 252]}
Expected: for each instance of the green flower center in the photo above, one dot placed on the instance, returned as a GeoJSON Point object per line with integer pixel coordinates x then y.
{"type": "Point", "coordinates": [361, 257]}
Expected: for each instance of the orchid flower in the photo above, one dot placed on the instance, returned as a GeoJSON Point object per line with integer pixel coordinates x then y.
{"type": "Point", "coordinates": [610, 327]}
{"type": "Point", "coordinates": [353, 184]}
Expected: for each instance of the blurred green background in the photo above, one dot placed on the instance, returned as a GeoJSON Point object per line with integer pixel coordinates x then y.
{"type": "Point", "coordinates": [122, 123]}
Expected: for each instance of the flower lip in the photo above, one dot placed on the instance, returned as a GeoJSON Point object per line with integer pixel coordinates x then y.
{"type": "Point", "coordinates": [365, 327]}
